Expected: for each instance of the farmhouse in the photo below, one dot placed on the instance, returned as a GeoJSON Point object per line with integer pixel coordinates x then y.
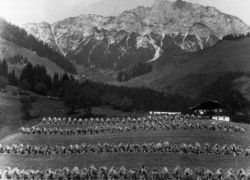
{"type": "Point", "coordinates": [211, 109]}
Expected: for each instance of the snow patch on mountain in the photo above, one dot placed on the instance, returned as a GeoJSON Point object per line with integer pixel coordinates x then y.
{"type": "Point", "coordinates": [157, 49]}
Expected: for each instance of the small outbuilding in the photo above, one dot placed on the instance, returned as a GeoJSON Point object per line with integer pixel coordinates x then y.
{"type": "Point", "coordinates": [221, 118]}
{"type": "Point", "coordinates": [164, 113]}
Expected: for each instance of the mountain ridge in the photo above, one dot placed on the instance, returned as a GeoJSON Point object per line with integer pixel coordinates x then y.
{"type": "Point", "coordinates": [140, 34]}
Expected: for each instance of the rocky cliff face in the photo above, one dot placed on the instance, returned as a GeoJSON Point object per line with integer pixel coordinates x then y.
{"type": "Point", "coordinates": [43, 32]}
{"type": "Point", "coordinates": [141, 34]}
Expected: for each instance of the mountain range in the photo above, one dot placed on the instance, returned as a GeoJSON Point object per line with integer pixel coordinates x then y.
{"type": "Point", "coordinates": [181, 40]}
{"type": "Point", "coordinates": [141, 34]}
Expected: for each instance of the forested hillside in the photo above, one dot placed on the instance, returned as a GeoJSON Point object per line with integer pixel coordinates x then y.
{"type": "Point", "coordinates": [136, 70]}
{"type": "Point", "coordinates": [88, 94]}
{"type": "Point", "coordinates": [20, 37]}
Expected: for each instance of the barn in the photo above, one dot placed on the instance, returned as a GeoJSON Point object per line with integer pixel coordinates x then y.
{"type": "Point", "coordinates": [211, 109]}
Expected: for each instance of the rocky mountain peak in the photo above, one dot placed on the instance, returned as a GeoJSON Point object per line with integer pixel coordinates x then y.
{"type": "Point", "coordinates": [143, 33]}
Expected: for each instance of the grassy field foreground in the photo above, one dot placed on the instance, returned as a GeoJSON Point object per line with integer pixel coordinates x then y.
{"type": "Point", "coordinates": [130, 160]}
{"type": "Point", "coordinates": [10, 122]}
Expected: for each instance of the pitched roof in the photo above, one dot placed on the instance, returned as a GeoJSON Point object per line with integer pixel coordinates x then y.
{"type": "Point", "coordinates": [210, 105]}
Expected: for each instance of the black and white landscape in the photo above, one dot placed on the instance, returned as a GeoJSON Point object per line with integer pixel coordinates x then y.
{"type": "Point", "coordinates": [157, 91]}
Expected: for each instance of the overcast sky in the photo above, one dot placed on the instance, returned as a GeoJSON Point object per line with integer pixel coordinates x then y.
{"type": "Point", "coordinates": [24, 11]}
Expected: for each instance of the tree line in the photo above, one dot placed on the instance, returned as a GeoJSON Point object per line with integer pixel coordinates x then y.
{"type": "Point", "coordinates": [138, 69]}
{"type": "Point", "coordinates": [88, 94]}
{"type": "Point", "coordinates": [235, 37]}
{"type": "Point", "coordinates": [20, 37]}
{"type": "Point", "coordinates": [85, 95]}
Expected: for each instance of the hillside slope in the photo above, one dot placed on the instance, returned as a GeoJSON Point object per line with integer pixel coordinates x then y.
{"type": "Point", "coordinates": [8, 49]}
{"type": "Point", "coordinates": [19, 36]}
{"type": "Point", "coordinates": [190, 75]}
